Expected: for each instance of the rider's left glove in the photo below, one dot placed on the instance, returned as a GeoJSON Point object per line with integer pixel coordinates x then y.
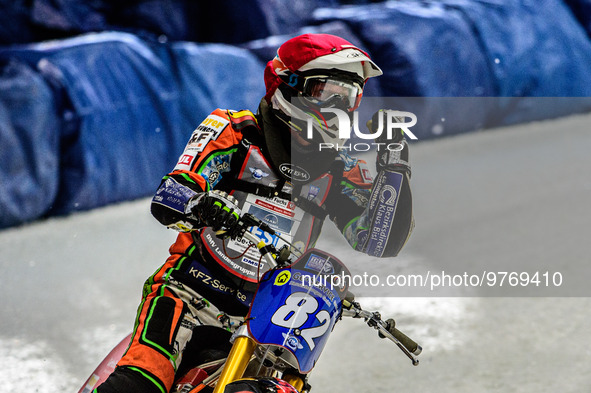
{"type": "Point", "coordinates": [215, 209]}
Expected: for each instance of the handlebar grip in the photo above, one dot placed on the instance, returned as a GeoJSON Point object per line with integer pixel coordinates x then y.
{"type": "Point", "coordinates": [350, 297]}
{"type": "Point", "coordinates": [349, 301]}
{"type": "Point", "coordinates": [408, 342]}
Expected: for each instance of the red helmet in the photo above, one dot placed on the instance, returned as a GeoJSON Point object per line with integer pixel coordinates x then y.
{"type": "Point", "coordinates": [319, 70]}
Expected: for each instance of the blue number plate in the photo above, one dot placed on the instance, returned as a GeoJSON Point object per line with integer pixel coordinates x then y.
{"type": "Point", "coordinates": [297, 307]}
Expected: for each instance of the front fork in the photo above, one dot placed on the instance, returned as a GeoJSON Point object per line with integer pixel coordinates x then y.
{"type": "Point", "coordinates": [237, 361]}
{"type": "Point", "coordinates": [294, 380]}
{"type": "Point", "coordinates": [240, 354]}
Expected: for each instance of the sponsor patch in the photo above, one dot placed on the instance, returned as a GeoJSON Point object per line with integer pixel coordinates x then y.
{"type": "Point", "coordinates": [275, 221]}
{"type": "Point", "coordinates": [173, 195]}
{"type": "Point", "coordinates": [258, 173]}
{"type": "Point", "coordinates": [294, 172]}
{"type": "Point", "coordinates": [211, 175]}
{"type": "Point", "coordinates": [185, 161]}
{"type": "Point", "coordinates": [319, 264]}
{"type": "Point", "coordinates": [282, 278]}
{"type": "Point", "coordinates": [292, 342]}
{"type": "Point", "coordinates": [282, 209]}
{"type": "Point", "coordinates": [215, 123]}
{"type": "Point", "coordinates": [207, 131]}
{"type": "Point", "coordinates": [382, 208]}
{"type": "Point", "coordinates": [312, 192]}
{"type": "Point", "coordinates": [222, 163]}
{"type": "Point", "coordinates": [349, 161]}
{"type": "Point", "coordinates": [199, 140]}
{"type": "Point", "coordinates": [365, 172]}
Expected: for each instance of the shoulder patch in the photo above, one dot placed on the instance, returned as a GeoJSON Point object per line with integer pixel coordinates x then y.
{"type": "Point", "coordinates": [209, 130]}
{"type": "Point", "coordinates": [243, 119]}
{"type": "Point", "coordinates": [365, 172]}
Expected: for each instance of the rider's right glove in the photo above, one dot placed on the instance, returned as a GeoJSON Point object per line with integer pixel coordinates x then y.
{"type": "Point", "coordinates": [215, 209]}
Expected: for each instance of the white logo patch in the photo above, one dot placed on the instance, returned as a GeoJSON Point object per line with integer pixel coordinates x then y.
{"type": "Point", "coordinates": [207, 131]}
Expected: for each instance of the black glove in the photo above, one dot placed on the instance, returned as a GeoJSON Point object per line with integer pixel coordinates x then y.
{"type": "Point", "coordinates": [215, 209]}
{"type": "Point", "coordinates": [392, 153]}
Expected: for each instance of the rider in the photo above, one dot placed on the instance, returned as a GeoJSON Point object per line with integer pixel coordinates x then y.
{"type": "Point", "coordinates": [265, 164]}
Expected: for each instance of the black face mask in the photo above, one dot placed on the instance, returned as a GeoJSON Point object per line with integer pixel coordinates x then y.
{"type": "Point", "coordinates": [297, 165]}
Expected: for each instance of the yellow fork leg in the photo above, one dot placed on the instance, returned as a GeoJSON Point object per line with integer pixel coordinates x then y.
{"type": "Point", "coordinates": [238, 359]}
{"type": "Point", "coordinates": [295, 381]}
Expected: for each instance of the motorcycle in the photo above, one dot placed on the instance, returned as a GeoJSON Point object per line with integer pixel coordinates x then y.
{"type": "Point", "coordinates": [296, 305]}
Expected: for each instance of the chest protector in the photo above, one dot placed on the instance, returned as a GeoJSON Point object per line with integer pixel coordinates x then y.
{"type": "Point", "coordinates": [296, 214]}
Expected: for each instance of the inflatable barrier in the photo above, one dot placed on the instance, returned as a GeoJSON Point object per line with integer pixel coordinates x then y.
{"type": "Point", "coordinates": [128, 108]}
{"type": "Point", "coordinates": [535, 49]}
{"type": "Point", "coordinates": [480, 48]}
{"type": "Point", "coordinates": [213, 76]}
{"type": "Point", "coordinates": [582, 11]}
{"type": "Point", "coordinates": [425, 50]}
{"type": "Point", "coordinates": [229, 21]}
{"type": "Point", "coordinates": [120, 117]}
{"type": "Point", "coordinates": [29, 145]}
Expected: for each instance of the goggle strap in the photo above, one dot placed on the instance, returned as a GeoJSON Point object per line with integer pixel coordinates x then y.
{"type": "Point", "coordinates": [293, 80]}
{"type": "Point", "coordinates": [297, 81]}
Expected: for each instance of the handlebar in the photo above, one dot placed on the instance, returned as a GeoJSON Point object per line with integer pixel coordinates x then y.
{"type": "Point", "coordinates": [269, 253]}
{"type": "Point", "coordinates": [408, 342]}
{"type": "Point", "coordinates": [266, 251]}
{"type": "Point", "coordinates": [386, 330]}
{"type": "Point", "coordinates": [350, 308]}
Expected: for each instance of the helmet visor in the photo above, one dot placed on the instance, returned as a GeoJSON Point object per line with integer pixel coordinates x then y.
{"type": "Point", "coordinates": [330, 92]}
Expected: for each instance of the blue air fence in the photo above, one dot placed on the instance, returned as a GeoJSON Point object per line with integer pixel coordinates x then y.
{"type": "Point", "coordinates": [229, 21]}
{"type": "Point", "coordinates": [117, 116]}
{"type": "Point", "coordinates": [582, 11]}
{"type": "Point", "coordinates": [473, 48]}
{"type": "Point", "coordinates": [232, 21]}
{"type": "Point", "coordinates": [29, 145]}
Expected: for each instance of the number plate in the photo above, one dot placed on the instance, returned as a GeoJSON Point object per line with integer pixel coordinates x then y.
{"type": "Point", "coordinates": [297, 307]}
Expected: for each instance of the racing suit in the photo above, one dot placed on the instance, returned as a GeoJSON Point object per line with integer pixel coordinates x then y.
{"type": "Point", "coordinates": [208, 281]}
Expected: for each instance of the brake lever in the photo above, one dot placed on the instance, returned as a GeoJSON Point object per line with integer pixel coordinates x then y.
{"type": "Point", "coordinates": [374, 319]}
{"type": "Point", "coordinates": [377, 323]}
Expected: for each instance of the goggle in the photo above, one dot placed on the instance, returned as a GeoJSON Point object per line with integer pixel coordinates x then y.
{"type": "Point", "coordinates": [328, 91]}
